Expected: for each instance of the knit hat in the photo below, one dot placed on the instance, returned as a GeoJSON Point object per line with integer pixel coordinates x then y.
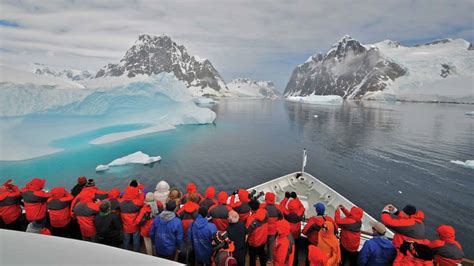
{"type": "Point", "coordinates": [202, 211]}
{"type": "Point", "coordinates": [105, 206]}
{"type": "Point", "coordinates": [171, 205]}
{"type": "Point", "coordinates": [254, 205]}
{"type": "Point", "coordinates": [150, 197]}
{"type": "Point", "coordinates": [378, 227]}
{"type": "Point", "coordinates": [81, 180]}
{"type": "Point", "coordinates": [409, 209]}
{"type": "Point", "coordinates": [133, 183]}
{"type": "Point", "coordinates": [320, 208]}
{"type": "Point", "coordinates": [90, 183]}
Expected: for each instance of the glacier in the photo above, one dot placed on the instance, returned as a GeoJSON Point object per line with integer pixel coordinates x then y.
{"type": "Point", "coordinates": [135, 158]}
{"type": "Point", "coordinates": [131, 106]}
{"type": "Point", "coordinates": [317, 99]}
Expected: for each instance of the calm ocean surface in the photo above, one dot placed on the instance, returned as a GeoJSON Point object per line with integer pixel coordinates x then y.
{"type": "Point", "coordinates": [368, 152]}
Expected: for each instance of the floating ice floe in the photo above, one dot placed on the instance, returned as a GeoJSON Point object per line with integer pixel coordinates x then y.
{"type": "Point", "coordinates": [469, 113]}
{"type": "Point", "coordinates": [134, 158]}
{"type": "Point", "coordinates": [467, 164]}
{"type": "Point", "coordinates": [318, 99]}
{"type": "Point", "coordinates": [204, 101]}
{"type": "Point", "coordinates": [315, 116]}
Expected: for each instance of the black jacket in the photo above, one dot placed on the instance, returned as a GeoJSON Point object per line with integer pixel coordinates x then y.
{"type": "Point", "coordinates": [77, 189]}
{"type": "Point", "coordinates": [108, 229]}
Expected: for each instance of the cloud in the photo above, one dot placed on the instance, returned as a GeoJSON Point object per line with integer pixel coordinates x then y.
{"type": "Point", "coordinates": [256, 39]}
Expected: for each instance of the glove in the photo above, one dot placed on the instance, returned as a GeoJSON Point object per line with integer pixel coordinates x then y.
{"type": "Point", "coordinates": [287, 194]}
{"type": "Point", "coordinates": [293, 195]}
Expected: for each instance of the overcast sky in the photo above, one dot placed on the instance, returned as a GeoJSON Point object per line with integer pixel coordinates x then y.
{"type": "Point", "coordinates": [262, 40]}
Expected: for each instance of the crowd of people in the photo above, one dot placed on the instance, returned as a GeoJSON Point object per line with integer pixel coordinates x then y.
{"type": "Point", "coordinates": [205, 230]}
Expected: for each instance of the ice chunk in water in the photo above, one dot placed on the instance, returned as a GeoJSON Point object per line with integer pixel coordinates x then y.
{"type": "Point", "coordinates": [136, 158]}
{"type": "Point", "coordinates": [468, 163]}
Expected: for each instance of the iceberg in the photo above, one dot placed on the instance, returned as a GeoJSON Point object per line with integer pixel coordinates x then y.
{"type": "Point", "coordinates": [134, 158]}
{"type": "Point", "coordinates": [204, 101]}
{"type": "Point", "coordinates": [45, 115]}
{"type": "Point", "coordinates": [318, 99]}
{"type": "Point", "coordinates": [467, 164]}
{"type": "Point", "coordinates": [471, 113]}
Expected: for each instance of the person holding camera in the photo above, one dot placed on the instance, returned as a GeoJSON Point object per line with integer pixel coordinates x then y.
{"type": "Point", "coordinates": [293, 211]}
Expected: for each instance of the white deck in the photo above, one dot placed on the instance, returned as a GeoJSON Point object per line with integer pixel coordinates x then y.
{"type": "Point", "coordinates": [311, 190]}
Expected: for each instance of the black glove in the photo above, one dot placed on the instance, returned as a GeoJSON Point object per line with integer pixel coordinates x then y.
{"type": "Point", "coordinates": [293, 195]}
{"type": "Point", "coordinates": [287, 194]}
{"type": "Point", "coordinates": [235, 192]}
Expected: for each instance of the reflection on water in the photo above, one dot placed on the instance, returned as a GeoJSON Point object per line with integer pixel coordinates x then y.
{"type": "Point", "coordinates": [368, 151]}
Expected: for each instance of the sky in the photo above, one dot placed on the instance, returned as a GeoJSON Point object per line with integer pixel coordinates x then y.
{"type": "Point", "coordinates": [261, 40]}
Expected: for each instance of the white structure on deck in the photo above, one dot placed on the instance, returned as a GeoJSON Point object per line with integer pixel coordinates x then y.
{"type": "Point", "coordinates": [20, 248]}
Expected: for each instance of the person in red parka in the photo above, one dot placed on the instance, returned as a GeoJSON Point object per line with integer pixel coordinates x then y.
{"type": "Point", "coordinates": [191, 189]}
{"type": "Point", "coordinates": [406, 224]}
{"type": "Point", "coordinates": [35, 200]}
{"type": "Point", "coordinates": [284, 249]}
{"type": "Point", "coordinates": [10, 210]}
{"type": "Point", "coordinates": [315, 223]}
{"type": "Point", "coordinates": [415, 254]}
{"type": "Point", "coordinates": [316, 256]}
{"type": "Point", "coordinates": [242, 206]}
{"type": "Point", "coordinates": [350, 233]}
{"type": "Point", "coordinates": [219, 213]}
{"type": "Point", "coordinates": [130, 205]}
{"type": "Point", "coordinates": [447, 251]}
{"type": "Point", "coordinates": [209, 200]}
{"type": "Point", "coordinates": [59, 211]}
{"type": "Point", "coordinates": [189, 212]}
{"type": "Point", "coordinates": [85, 210]}
{"type": "Point", "coordinates": [293, 211]}
{"type": "Point", "coordinates": [274, 215]}
{"type": "Point", "coordinates": [145, 219]}
{"type": "Point", "coordinates": [113, 198]}
{"type": "Point", "coordinates": [257, 230]}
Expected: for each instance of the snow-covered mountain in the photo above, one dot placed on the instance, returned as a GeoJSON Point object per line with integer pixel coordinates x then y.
{"type": "Point", "coordinates": [152, 54]}
{"type": "Point", "coordinates": [441, 70]}
{"type": "Point", "coordinates": [243, 87]}
{"type": "Point", "coordinates": [349, 70]}
{"type": "Point", "coordinates": [71, 74]}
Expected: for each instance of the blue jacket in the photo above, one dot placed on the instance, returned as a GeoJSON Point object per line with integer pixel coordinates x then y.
{"type": "Point", "coordinates": [378, 251]}
{"type": "Point", "coordinates": [166, 233]}
{"type": "Point", "coordinates": [200, 234]}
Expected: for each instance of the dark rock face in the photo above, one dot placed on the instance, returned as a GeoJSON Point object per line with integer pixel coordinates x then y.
{"type": "Point", "coordinates": [471, 47]}
{"type": "Point", "coordinates": [74, 75]}
{"type": "Point", "coordinates": [151, 55]}
{"type": "Point", "coordinates": [349, 70]}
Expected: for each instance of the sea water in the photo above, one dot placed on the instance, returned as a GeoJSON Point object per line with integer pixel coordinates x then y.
{"type": "Point", "coordinates": [372, 153]}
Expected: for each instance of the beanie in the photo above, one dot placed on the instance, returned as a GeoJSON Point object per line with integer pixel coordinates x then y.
{"type": "Point", "coordinates": [171, 205]}
{"type": "Point", "coordinates": [409, 209]}
{"type": "Point", "coordinates": [81, 180]}
{"type": "Point", "coordinates": [320, 208]}
{"type": "Point", "coordinates": [105, 206]}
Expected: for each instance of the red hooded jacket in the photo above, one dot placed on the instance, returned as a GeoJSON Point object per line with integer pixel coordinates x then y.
{"type": "Point", "coordinates": [85, 211]}
{"type": "Point", "coordinates": [274, 213]}
{"type": "Point", "coordinates": [130, 205]}
{"type": "Point", "coordinates": [114, 195]}
{"type": "Point", "coordinates": [257, 228]}
{"type": "Point", "coordinates": [210, 200]}
{"type": "Point", "coordinates": [406, 227]}
{"type": "Point", "coordinates": [350, 227]}
{"type": "Point", "coordinates": [316, 256]}
{"type": "Point", "coordinates": [314, 224]}
{"type": "Point", "coordinates": [188, 213]}
{"type": "Point", "coordinates": [447, 251]}
{"type": "Point", "coordinates": [35, 199]}
{"type": "Point", "coordinates": [190, 189]}
{"type": "Point", "coordinates": [59, 207]}
{"type": "Point", "coordinates": [242, 206]}
{"type": "Point", "coordinates": [220, 212]}
{"type": "Point", "coordinates": [10, 199]}
{"type": "Point", "coordinates": [284, 248]}
{"type": "Point", "coordinates": [293, 214]}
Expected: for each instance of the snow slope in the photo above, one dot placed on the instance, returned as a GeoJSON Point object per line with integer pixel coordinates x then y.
{"type": "Point", "coordinates": [21, 248]}
{"type": "Point", "coordinates": [70, 74]}
{"type": "Point", "coordinates": [438, 71]}
{"type": "Point", "coordinates": [254, 89]}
